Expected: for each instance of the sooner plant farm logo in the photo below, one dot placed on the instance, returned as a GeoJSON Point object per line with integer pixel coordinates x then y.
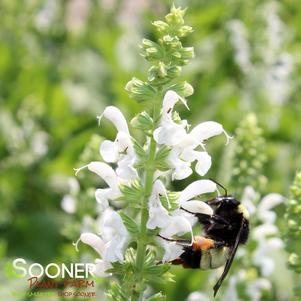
{"type": "Point", "coordinates": [74, 279]}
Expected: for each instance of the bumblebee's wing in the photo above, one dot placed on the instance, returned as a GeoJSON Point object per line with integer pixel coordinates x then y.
{"type": "Point", "coordinates": [229, 261]}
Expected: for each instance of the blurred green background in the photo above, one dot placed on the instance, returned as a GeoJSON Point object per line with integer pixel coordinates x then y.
{"type": "Point", "coordinates": [62, 62]}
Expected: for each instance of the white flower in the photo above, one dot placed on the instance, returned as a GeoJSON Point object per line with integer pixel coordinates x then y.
{"type": "Point", "coordinates": [184, 144]}
{"type": "Point", "coordinates": [267, 203]}
{"type": "Point", "coordinates": [198, 296]}
{"type": "Point", "coordinates": [121, 150]}
{"type": "Point", "coordinates": [193, 190]}
{"type": "Point", "coordinates": [158, 215]}
{"type": "Point", "coordinates": [68, 204]}
{"type": "Point", "coordinates": [98, 245]}
{"type": "Point", "coordinates": [159, 218]}
{"type": "Point", "coordinates": [109, 176]}
{"type": "Point", "coordinates": [231, 292]}
{"type": "Point", "coordinates": [116, 245]}
{"type": "Point", "coordinates": [177, 225]}
{"type": "Point", "coordinates": [110, 249]}
{"type": "Point", "coordinates": [254, 288]}
{"type": "Point", "coordinates": [171, 250]}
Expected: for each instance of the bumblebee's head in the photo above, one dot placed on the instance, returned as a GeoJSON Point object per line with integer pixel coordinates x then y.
{"type": "Point", "coordinates": [226, 201]}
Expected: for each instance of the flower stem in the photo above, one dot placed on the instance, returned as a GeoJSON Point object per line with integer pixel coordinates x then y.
{"type": "Point", "coordinates": [148, 185]}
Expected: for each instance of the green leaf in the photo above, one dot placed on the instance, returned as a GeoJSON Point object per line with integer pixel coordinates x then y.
{"type": "Point", "coordinates": [116, 293]}
{"type": "Point", "coordinates": [117, 268]}
{"type": "Point", "coordinates": [172, 203]}
{"type": "Point", "coordinates": [157, 297]}
{"type": "Point", "coordinates": [129, 223]}
{"type": "Point", "coordinates": [161, 156]}
{"type": "Point", "coordinates": [132, 193]}
{"type": "Point", "coordinates": [139, 150]}
{"type": "Point", "coordinates": [156, 270]}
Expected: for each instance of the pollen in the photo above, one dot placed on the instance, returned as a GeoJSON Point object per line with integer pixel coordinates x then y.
{"type": "Point", "coordinates": [202, 243]}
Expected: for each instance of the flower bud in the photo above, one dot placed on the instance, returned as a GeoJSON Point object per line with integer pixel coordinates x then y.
{"type": "Point", "coordinates": [140, 90]}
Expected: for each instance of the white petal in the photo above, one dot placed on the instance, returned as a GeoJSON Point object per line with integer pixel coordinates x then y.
{"type": "Point", "coordinates": [124, 142]}
{"type": "Point", "coordinates": [196, 188]}
{"type": "Point", "coordinates": [248, 199]}
{"type": "Point", "coordinates": [182, 169]}
{"type": "Point", "coordinates": [109, 151]}
{"type": "Point", "coordinates": [116, 117]}
{"type": "Point", "coordinates": [102, 196]}
{"type": "Point", "coordinates": [197, 296]}
{"type": "Point", "coordinates": [169, 101]}
{"type": "Point", "coordinates": [100, 268]}
{"type": "Point", "coordinates": [255, 287]}
{"type": "Point", "coordinates": [172, 250]}
{"type": "Point", "coordinates": [93, 241]}
{"type": "Point", "coordinates": [177, 225]}
{"type": "Point", "coordinates": [208, 129]}
{"type": "Point", "coordinates": [275, 243]}
{"type": "Point", "coordinates": [262, 231]}
{"type": "Point", "coordinates": [181, 172]}
{"type": "Point", "coordinates": [69, 204]}
{"type": "Point", "coordinates": [158, 217]}
{"type": "Point", "coordinates": [203, 164]}
{"type": "Point", "coordinates": [270, 201]}
{"type": "Point", "coordinates": [115, 249]}
{"type": "Point", "coordinates": [114, 221]}
{"type": "Point", "coordinates": [125, 169]}
{"type": "Point", "coordinates": [105, 171]}
{"type": "Point", "coordinates": [198, 207]}
{"type": "Point", "coordinates": [267, 217]}
{"type": "Point", "coordinates": [169, 134]}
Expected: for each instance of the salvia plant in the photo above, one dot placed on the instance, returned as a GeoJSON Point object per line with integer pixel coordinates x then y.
{"type": "Point", "coordinates": [248, 155]}
{"type": "Point", "coordinates": [136, 208]}
{"type": "Point", "coordinates": [292, 236]}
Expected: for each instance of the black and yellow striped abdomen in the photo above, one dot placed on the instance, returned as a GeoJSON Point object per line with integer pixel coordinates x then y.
{"type": "Point", "coordinates": [205, 259]}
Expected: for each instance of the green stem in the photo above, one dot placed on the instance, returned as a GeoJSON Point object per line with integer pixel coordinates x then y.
{"type": "Point", "coordinates": [148, 186]}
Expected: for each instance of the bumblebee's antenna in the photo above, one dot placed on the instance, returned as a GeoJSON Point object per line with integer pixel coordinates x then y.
{"type": "Point", "coordinates": [220, 185]}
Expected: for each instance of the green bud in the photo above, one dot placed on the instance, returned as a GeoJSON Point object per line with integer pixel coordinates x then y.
{"type": "Point", "coordinates": [292, 237]}
{"type": "Point", "coordinates": [185, 30]}
{"type": "Point", "coordinates": [294, 259]}
{"type": "Point", "coordinates": [184, 89]}
{"type": "Point", "coordinates": [143, 122]}
{"type": "Point", "coordinates": [249, 154]}
{"type": "Point", "coordinates": [139, 90]}
{"type": "Point", "coordinates": [161, 26]}
{"type": "Point", "coordinates": [187, 53]}
{"type": "Point", "coordinates": [176, 16]}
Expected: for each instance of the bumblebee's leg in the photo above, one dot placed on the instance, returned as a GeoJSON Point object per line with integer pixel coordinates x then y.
{"type": "Point", "coordinates": [199, 243]}
{"type": "Point", "coordinates": [181, 242]}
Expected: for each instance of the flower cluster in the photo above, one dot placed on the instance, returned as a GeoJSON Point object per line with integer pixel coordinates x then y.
{"type": "Point", "coordinates": [272, 76]}
{"type": "Point", "coordinates": [124, 154]}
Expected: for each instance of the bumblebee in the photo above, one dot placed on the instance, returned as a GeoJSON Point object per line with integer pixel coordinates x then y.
{"type": "Point", "coordinates": [224, 231]}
